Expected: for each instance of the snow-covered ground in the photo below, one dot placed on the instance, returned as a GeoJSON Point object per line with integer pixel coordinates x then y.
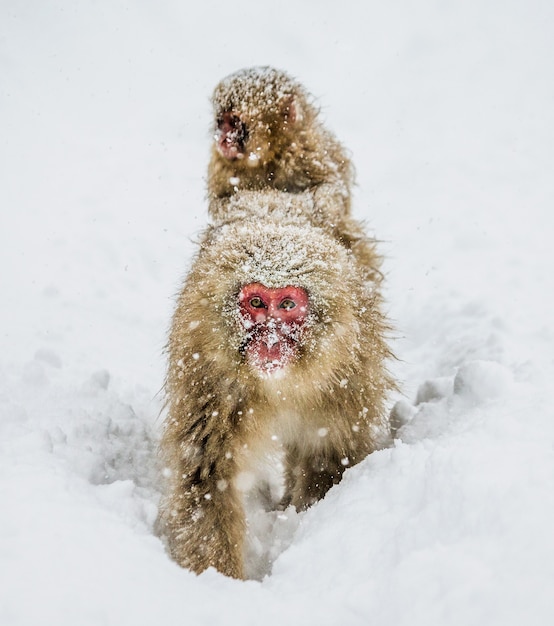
{"type": "Point", "coordinates": [448, 109]}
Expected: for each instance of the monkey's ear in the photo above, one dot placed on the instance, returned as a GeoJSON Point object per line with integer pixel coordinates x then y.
{"type": "Point", "coordinates": [292, 111]}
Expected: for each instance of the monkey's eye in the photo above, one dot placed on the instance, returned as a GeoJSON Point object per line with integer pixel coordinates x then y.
{"type": "Point", "coordinates": [257, 303]}
{"type": "Point", "coordinates": [228, 121]}
{"type": "Point", "coordinates": [287, 304]}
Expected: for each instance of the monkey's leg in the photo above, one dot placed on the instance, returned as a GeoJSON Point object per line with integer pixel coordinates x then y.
{"type": "Point", "coordinates": [203, 521]}
{"type": "Point", "coordinates": [308, 475]}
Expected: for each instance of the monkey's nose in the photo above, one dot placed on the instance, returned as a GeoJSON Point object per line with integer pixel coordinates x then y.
{"type": "Point", "coordinates": [274, 313]}
{"type": "Point", "coordinates": [271, 338]}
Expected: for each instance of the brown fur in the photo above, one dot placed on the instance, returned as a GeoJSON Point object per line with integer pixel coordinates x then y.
{"type": "Point", "coordinates": [294, 153]}
{"type": "Point", "coordinates": [326, 412]}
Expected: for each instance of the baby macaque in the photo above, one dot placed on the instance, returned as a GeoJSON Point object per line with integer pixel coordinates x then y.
{"type": "Point", "coordinates": [276, 346]}
{"type": "Point", "coordinates": [268, 137]}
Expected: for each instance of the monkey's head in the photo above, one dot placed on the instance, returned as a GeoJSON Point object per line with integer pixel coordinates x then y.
{"type": "Point", "coordinates": [278, 300]}
{"type": "Point", "coordinates": [258, 112]}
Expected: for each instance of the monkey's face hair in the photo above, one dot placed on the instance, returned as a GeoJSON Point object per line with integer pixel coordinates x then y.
{"type": "Point", "coordinates": [253, 110]}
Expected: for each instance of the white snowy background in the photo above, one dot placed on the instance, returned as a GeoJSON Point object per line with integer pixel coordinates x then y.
{"type": "Point", "coordinates": [448, 110]}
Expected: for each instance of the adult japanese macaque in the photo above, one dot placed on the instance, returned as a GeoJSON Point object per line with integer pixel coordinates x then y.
{"type": "Point", "coordinates": [276, 346]}
{"type": "Point", "coordinates": [268, 136]}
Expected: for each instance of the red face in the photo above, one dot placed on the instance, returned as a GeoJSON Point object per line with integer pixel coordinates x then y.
{"type": "Point", "coordinates": [275, 323]}
{"type": "Point", "coordinates": [231, 136]}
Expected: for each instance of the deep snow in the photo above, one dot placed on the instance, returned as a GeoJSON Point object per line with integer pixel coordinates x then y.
{"type": "Point", "coordinates": [448, 109]}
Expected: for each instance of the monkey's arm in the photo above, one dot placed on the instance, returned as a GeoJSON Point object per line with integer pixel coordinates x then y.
{"type": "Point", "coordinates": [311, 470]}
{"type": "Point", "coordinates": [309, 476]}
{"type": "Point", "coordinates": [261, 204]}
{"type": "Point", "coordinates": [331, 203]}
{"type": "Point", "coordinates": [202, 517]}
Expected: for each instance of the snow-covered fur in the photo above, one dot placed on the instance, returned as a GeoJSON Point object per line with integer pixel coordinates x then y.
{"type": "Point", "coordinates": [325, 410]}
{"type": "Point", "coordinates": [284, 147]}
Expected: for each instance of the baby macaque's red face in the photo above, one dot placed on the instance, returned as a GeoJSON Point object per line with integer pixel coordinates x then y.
{"type": "Point", "coordinates": [231, 136]}
{"type": "Point", "coordinates": [275, 322]}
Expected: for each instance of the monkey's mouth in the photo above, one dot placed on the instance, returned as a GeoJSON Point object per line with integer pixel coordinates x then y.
{"type": "Point", "coordinates": [270, 358]}
{"type": "Point", "coordinates": [231, 136]}
{"type": "Point", "coordinates": [270, 348]}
